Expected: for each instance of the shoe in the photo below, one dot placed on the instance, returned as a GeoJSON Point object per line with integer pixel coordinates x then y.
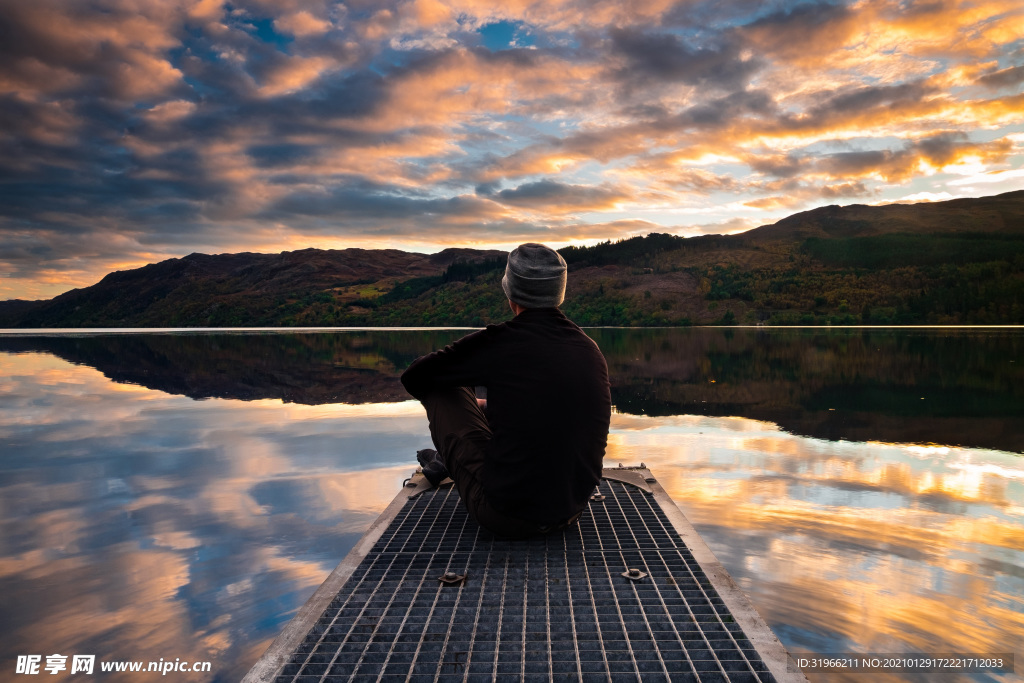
{"type": "Point", "coordinates": [432, 465]}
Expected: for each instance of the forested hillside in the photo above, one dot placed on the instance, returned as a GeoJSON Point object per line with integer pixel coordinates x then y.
{"type": "Point", "coordinates": [957, 262]}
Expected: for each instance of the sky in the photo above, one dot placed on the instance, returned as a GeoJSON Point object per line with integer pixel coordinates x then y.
{"type": "Point", "coordinates": [132, 131]}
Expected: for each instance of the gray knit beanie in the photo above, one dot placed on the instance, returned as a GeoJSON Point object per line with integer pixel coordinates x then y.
{"type": "Point", "coordinates": [534, 276]}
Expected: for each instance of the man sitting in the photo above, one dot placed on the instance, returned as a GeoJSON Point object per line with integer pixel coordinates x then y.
{"type": "Point", "coordinates": [528, 461]}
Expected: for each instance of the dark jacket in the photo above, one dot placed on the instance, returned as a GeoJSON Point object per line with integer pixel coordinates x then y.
{"type": "Point", "coordinates": [548, 406]}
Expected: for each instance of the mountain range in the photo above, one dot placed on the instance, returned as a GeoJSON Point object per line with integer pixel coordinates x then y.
{"type": "Point", "coordinates": [953, 262]}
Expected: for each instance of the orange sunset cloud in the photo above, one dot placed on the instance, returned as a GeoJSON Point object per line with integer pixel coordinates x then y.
{"type": "Point", "coordinates": [156, 129]}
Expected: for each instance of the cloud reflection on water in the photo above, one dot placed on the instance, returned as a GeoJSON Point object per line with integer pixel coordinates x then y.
{"type": "Point", "coordinates": [138, 524]}
{"type": "Point", "coordinates": [850, 547]}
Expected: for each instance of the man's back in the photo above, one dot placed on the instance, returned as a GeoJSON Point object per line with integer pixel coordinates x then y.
{"type": "Point", "coordinates": [548, 406]}
{"type": "Point", "coordinates": [528, 465]}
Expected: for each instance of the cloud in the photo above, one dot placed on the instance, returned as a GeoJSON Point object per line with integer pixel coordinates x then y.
{"type": "Point", "coordinates": [781, 166]}
{"type": "Point", "coordinates": [666, 57]}
{"type": "Point", "coordinates": [1003, 78]}
{"type": "Point", "coordinates": [721, 112]}
{"type": "Point", "coordinates": [302, 23]}
{"type": "Point", "coordinates": [174, 125]}
{"type": "Point", "coordinates": [726, 227]}
{"type": "Point", "coordinates": [863, 106]}
{"type": "Point", "coordinates": [364, 200]}
{"type": "Point", "coordinates": [922, 197]}
{"type": "Point", "coordinates": [935, 152]}
{"type": "Point", "coordinates": [67, 49]}
{"type": "Point", "coordinates": [289, 74]}
{"type": "Point", "coordinates": [989, 177]}
{"type": "Point", "coordinates": [552, 196]}
{"type": "Point", "coordinates": [699, 180]}
{"type": "Point", "coordinates": [803, 34]}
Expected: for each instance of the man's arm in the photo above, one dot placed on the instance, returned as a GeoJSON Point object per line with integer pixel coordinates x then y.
{"type": "Point", "coordinates": [460, 364]}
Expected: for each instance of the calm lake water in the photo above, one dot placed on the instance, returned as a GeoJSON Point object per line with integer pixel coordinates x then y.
{"type": "Point", "coordinates": [181, 495]}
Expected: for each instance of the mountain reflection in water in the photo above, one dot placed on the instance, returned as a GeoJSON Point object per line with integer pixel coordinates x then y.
{"type": "Point", "coordinates": [140, 523]}
{"type": "Point", "coordinates": [952, 387]}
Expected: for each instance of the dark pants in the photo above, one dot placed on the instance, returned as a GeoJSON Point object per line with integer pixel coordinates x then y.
{"type": "Point", "coordinates": [461, 435]}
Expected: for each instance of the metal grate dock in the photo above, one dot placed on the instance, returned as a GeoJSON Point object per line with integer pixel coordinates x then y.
{"type": "Point", "coordinates": [560, 607]}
